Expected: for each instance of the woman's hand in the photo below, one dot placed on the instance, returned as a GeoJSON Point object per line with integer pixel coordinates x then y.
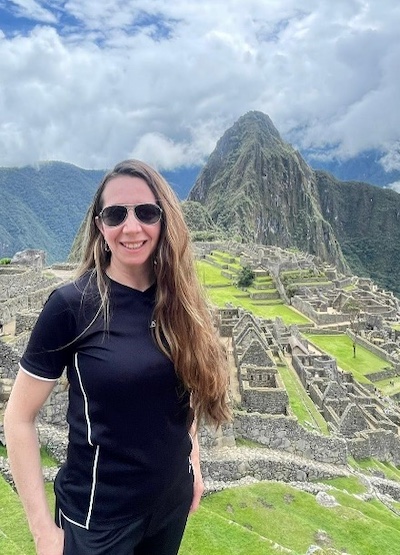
{"type": "Point", "coordinates": [198, 484]}
{"type": "Point", "coordinates": [198, 489]}
{"type": "Point", "coordinates": [51, 542]}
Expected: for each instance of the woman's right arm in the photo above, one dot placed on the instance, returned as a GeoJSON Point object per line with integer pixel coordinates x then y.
{"type": "Point", "coordinates": [27, 397]}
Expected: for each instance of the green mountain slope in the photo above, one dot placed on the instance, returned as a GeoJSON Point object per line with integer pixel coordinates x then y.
{"type": "Point", "coordinates": [42, 207]}
{"type": "Point", "coordinates": [366, 222]}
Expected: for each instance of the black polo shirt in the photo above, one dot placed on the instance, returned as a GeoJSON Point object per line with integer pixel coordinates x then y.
{"type": "Point", "coordinates": [129, 445]}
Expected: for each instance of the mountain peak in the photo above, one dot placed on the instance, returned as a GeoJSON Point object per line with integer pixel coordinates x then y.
{"type": "Point", "coordinates": [252, 128]}
{"type": "Point", "coordinates": [255, 120]}
{"type": "Point", "coordinates": [258, 188]}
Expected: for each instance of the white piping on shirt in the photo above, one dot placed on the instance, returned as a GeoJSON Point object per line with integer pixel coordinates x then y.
{"type": "Point", "coordinates": [97, 451]}
{"type": "Point", "coordinates": [85, 401]}
{"type": "Point", "coordinates": [71, 521]}
{"type": "Point", "coordinates": [37, 377]}
{"type": "Point", "coordinates": [94, 482]}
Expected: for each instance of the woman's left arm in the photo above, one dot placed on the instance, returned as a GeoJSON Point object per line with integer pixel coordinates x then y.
{"type": "Point", "coordinates": [198, 485]}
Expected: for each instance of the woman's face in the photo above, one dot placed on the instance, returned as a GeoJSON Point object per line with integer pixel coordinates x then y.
{"type": "Point", "coordinates": [132, 243]}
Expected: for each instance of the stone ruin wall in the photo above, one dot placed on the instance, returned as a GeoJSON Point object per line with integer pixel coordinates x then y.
{"type": "Point", "coordinates": [23, 290]}
{"type": "Point", "coordinates": [283, 433]}
{"type": "Point", "coordinates": [320, 318]}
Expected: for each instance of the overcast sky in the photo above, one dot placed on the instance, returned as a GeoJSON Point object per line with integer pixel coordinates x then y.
{"type": "Point", "coordinates": [92, 82]}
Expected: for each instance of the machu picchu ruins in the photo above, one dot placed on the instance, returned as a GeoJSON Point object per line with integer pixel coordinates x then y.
{"type": "Point", "coordinates": [347, 417]}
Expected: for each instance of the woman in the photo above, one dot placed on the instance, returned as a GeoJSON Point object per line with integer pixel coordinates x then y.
{"type": "Point", "coordinates": [143, 364]}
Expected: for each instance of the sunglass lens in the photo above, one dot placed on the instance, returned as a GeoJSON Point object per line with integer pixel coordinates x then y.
{"type": "Point", "coordinates": [148, 213]}
{"type": "Point", "coordinates": [114, 215]}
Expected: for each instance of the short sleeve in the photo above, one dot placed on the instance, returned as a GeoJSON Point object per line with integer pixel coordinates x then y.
{"type": "Point", "coordinates": [49, 348]}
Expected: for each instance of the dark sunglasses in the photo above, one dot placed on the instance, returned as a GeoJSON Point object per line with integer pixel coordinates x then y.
{"type": "Point", "coordinates": [147, 213]}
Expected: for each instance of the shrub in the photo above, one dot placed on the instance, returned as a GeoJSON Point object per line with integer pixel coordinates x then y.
{"type": "Point", "coordinates": [246, 277]}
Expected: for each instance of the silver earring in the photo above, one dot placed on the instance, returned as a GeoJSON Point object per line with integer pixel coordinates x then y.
{"type": "Point", "coordinates": [106, 246]}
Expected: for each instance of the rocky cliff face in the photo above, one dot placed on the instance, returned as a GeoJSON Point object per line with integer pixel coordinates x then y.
{"type": "Point", "coordinates": [261, 190]}
{"type": "Point", "coordinates": [366, 222]}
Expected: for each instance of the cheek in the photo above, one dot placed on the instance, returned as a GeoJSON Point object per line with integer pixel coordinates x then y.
{"type": "Point", "coordinates": [109, 234]}
{"type": "Point", "coordinates": [157, 234]}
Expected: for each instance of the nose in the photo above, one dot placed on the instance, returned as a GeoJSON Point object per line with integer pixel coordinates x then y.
{"type": "Point", "coordinates": [131, 221]}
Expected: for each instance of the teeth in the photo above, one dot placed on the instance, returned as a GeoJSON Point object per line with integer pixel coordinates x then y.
{"type": "Point", "coordinates": [133, 245]}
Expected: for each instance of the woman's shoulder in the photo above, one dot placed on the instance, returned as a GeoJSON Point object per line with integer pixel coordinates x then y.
{"type": "Point", "coordinates": [75, 291]}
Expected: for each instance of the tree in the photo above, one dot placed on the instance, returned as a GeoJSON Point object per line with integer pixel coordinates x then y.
{"type": "Point", "coordinates": [246, 277]}
{"type": "Point", "coordinates": [353, 308]}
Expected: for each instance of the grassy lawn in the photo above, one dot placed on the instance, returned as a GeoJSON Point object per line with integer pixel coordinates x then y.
{"type": "Point", "coordinates": [221, 291]}
{"type": "Point", "coordinates": [300, 403]}
{"type": "Point", "coordinates": [255, 520]}
{"type": "Point", "coordinates": [259, 519]}
{"type": "Point", "coordinates": [15, 537]}
{"type": "Point", "coordinates": [350, 484]}
{"type": "Point", "coordinates": [209, 275]}
{"type": "Point", "coordinates": [369, 466]}
{"type": "Point", "coordinates": [390, 386]}
{"type": "Point", "coordinates": [238, 298]}
{"type": "Point", "coordinates": [341, 347]}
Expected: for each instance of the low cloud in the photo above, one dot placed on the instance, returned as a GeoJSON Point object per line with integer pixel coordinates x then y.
{"type": "Point", "coordinates": [395, 186]}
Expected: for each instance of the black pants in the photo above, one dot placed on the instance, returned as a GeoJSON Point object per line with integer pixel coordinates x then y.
{"type": "Point", "coordinates": [146, 536]}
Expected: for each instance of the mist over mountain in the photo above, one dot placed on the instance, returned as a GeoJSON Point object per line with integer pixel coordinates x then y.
{"type": "Point", "coordinates": [368, 167]}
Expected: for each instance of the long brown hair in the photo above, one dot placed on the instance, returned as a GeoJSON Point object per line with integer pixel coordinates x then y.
{"type": "Point", "coordinates": [184, 328]}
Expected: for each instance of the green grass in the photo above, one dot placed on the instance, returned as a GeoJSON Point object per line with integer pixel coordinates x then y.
{"type": "Point", "coordinates": [210, 275]}
{"type": "Point", "coordinates": [257, 519]}
{"type": "Point", "coordinates": [239, 299]}
{"type": "Point", "coordinates": [370, 466]}
{"type": "Point", "coordinates": [300, 403]}
{"type": "Point", "coordinates": [221, 291]}
{"type": "Point", "coordinates": [350, 484]}
{"type": "Point", "coordinates": [389, 386]}
{"type": "Point", "coordinates": [341, 347]}
{"type": "Point", "coordinates": [15, 538]}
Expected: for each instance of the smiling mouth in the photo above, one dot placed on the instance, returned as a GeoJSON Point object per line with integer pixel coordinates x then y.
{"type": "Point", "coordinates": [133, 246]}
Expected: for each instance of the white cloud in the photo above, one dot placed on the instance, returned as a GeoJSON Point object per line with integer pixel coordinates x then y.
{"type": "Point", "coordinates": [161, 152]}
{"type": "Point", "coordinates": [395, 186]}
{"type": "Point", "coordinates": [391, 160]}
{"type": "Point", "coordinates": [163, 79]}
{"type": "Point", "coordinates": [32, 10]}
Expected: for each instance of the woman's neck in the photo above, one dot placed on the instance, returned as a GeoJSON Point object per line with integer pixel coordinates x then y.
{"type": "Point", "coordinates": [137, 278]}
